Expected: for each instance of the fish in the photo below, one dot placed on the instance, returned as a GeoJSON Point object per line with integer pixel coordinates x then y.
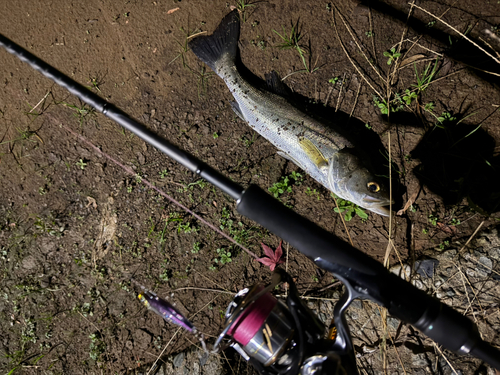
{"type": "Point", "coordinates": [322, 153]}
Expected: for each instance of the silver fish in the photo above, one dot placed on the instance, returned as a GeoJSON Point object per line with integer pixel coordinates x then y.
{"type": "Point", "coordinates": [306, 142]}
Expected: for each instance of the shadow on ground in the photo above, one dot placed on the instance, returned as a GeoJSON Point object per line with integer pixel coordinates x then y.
{"type": "Point", "coordinates": [457, 161]}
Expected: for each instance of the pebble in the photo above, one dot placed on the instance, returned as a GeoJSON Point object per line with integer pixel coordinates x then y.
{"type": "Point", "coordinates": [425, 268]}
{"type": "Point", "coordinates": [393, 322]}
{"type": "Point", "coordinates": [494, 253]}
{"type": "Point", "coordinates": [179, 358]}
{"type": "Point", "coordinates": [419, 360]}
{"type": "Point", "coordinates": [417, 283]}
{"type": "Point", "coordinates": [29, 262]}
{"type": "Point", "coordinates": [487, 263]}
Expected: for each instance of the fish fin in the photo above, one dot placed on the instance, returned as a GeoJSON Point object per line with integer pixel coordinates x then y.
{"type": "Point", "coordinates": [288, 157]}
{"type": "Point", "coordinates": [275, 85]}
{"type": "Point", "coordinates": [223, 42]}
{"type": "Point", "coordinates": [313, 153]}
{"type": "Point", "coordinates": [236, 109]}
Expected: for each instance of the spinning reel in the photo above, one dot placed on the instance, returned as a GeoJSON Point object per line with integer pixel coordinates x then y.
{"type": "Point", "coordinates": [277, 337]}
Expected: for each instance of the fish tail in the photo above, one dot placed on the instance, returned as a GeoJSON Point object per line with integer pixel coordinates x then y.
{"type": "Point", "coordinates": [222, 45]}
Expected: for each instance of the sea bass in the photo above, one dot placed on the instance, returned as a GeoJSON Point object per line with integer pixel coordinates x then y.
{"type": "Point", "coordinates": [308, 143]}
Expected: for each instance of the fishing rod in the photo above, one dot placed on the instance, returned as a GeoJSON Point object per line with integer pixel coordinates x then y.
{"type": "Point", "coordinates": [295, 341]}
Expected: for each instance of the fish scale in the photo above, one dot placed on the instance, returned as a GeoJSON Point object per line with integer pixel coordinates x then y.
{"type": "Point", "coordinates": [282, 127]}
{"type": "Point", "coordinates": [320, 152]}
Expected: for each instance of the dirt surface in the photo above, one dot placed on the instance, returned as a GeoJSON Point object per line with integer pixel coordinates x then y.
{"type": "Point", "coordinates": [75, 226]}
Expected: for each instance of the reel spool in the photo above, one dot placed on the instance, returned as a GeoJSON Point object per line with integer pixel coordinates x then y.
{"type": "Point", "coordinates": [258, 326]}
{"type": "Point", "coordinates": [275, 337]}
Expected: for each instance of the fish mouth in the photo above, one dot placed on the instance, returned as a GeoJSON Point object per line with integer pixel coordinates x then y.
{"type": "Point", "coordinates": [381, 210]}
{"type": "Point", "coordinates": [377, 205]}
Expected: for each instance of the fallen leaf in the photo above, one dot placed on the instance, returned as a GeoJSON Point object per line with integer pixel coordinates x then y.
{"type": "Point", "coordinates": [272, 258]}
{"type": "Point", "coordinates": [411, 59]}
{"type": "Point", "coordinates": [172, 10]}
{"type": "Point", "coordinates": [408, 204]}
{"type": "Point", "coordinates": [91, 202]}
{"type": "Point", "coordinates": [107, 229]}
{"type": "Point", "coordinates": [449, 229]}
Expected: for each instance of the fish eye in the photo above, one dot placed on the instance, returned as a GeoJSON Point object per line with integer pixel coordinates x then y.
{"type": "Point", "coordinates": [373, 187]}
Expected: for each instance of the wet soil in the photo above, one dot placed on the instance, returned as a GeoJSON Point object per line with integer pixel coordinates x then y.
{"type": "Point", "coordinates": [75, 226]}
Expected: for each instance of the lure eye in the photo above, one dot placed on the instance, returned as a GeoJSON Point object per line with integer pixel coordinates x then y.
{"type": "Point", "coordinates": [373, 187]}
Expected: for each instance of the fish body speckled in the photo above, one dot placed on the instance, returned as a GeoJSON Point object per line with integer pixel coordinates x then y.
{"type": "Point", "coordinates": [320, 152]}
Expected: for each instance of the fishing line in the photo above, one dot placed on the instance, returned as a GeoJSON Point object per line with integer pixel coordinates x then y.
{"type": "Point", "coordinates": [159, 191]}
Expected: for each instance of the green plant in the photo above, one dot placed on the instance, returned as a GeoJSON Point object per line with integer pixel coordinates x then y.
{"type": "Point", "coordinates": [183, 47]}
{"type": "Point", "coordinates": [129, 189]}
{"type": "Point", "coordinates": [433, 219]}
{"type": "Point", "coordinates": [166, 273]}
{"type": "Point", "coordinates": [241, 5]}
{"type": "Point", "coordinates": [48, 226]}
{"type": "Point", "coordinates": [80, 112]}
{"type": "Point", "coordinates": [186, 228]}
{"type": "Point", "coordinates": [297, 177]}
{"type": "Point", "coordinates": [200, 183]}
{"type": "Point", "coordinates": [369, 33]}
{"type": "Point", "coordinates": [285, 184]}
{"type": "Point", "coordinates": [97, 346]}
{"type": "Point", "coordinates": [248, 142]}
{"type": "Point", "coordinates": [292, 40]}
{"type": "Point", "coordinates": [350, 209]}
{"type": "Point", "coordinates": [236, 230]}
{"type": "Point", "coordinates": [429, 107]}
{"type": "Point", "coordinates": [392, 55]}
{"type": "Point", "coordinates": [313, 192]}
{"type": "Point", "coordinates": [28, 332]}
{"type": "Point", "coordinates": [196, 248]}
{"type": "Point", "coordinates": [203, 76]}
{"type": "Point", "coordinates": [81, 164]}
{"type": "Point", "coordinates": [215, 135]}
{"type": "Point", "coordinates": [225, 256]}
{"type": "Point", "coordinates": [94, 83]}
{"type": "Point", "coordinates": [424, 79]}
{"type": "Point", "coordinates": [386, 107]}
{"type": "Point", "coordinates": [333, 80]}
{"type": "Point", "coordinates": [444, 245]}
{"type": "Point", "coordinates": [446, 117]}
{"type": "Point", "coordinates": [24, 135]}
{"type": "Point", "coordinates": [163, 173]}
{"type": "Point", "coordinates": [409, 96]}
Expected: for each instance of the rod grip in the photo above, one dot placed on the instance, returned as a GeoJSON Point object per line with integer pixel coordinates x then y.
{"type": "Point", "coordinates": [307, 237]}
{"type": "Point", "coordinates": [370, 279]}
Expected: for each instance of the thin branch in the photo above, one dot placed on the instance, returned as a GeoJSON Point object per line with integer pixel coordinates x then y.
{"type": "Point", "coordinates": [458, 32]}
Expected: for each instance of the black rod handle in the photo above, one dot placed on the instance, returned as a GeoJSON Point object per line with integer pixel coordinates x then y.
{"type": "Point", "coordinates": [369, 278]}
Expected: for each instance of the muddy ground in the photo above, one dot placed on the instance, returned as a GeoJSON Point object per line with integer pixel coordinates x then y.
{"type": "Point", "coordinates": [75, 226]}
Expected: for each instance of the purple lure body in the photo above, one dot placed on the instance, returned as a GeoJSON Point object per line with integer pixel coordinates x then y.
{"type": "Point", "coordinates": [165, 309]}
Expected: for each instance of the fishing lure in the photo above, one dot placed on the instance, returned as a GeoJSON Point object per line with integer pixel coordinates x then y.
{"type": "Point", "coordinates": [164, 309]}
